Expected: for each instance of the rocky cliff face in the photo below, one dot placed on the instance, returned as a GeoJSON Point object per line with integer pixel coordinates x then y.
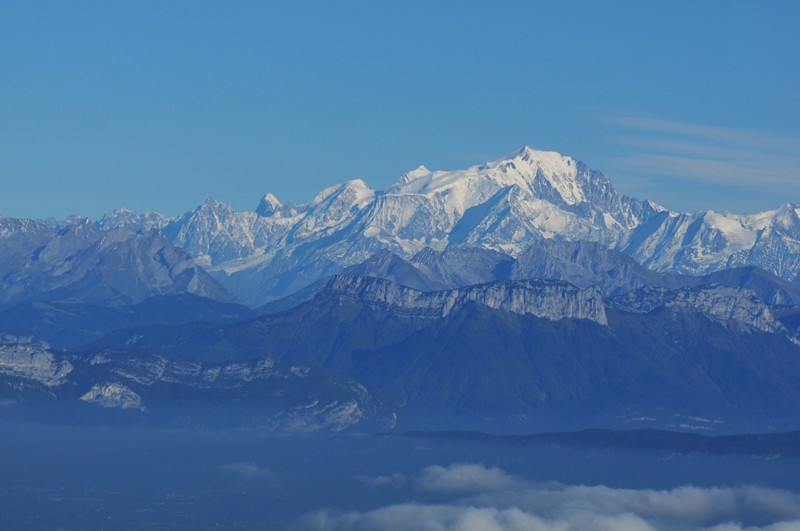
{"type": "Point", "coordinates": [34, 362]}
{"type": "Point", "coordinates": [549, 300]}
{"type": "Point", "coordinates": [727, 305]}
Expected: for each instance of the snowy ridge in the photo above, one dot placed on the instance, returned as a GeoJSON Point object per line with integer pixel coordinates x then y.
{"type": "Point", "coordinates": [710, 241]}
{"type": "Point", "coordinates": [124, 218]}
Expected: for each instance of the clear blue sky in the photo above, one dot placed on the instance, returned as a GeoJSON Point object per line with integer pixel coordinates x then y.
{"type": "Point", "coordinates": [158, 105]}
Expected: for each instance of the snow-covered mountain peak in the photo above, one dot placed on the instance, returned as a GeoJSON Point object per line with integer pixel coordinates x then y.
{"type": "Point", "coordinates": [213, 205]}
{"type": "Point", "coordinates": [360, 186]}
{"type": "Point", "coordinates": [268, 205]}
{"type": "Point", "coordinates": [323, 194]}
{"type": "Point", "coordinates": [548, 161]}
{"type": "Point", "coordinates": [411, 176]}
{"type": "Point", "coordinates": [559, 172]}
{"type": "Point", "coordinates": [122, 217]}
{"type": "Point", "coordinates": [731, 226]}
{"type": "Point", "coordinates": [785, 216]}
{"type": "Point", "coordinates": [214, 212]}
{"type": "Point", "coordinates": [521, 169]}
{"type": "Point", "coordinates": [656, 207]}
{"type": "Point", "coordinates": [356, 189]}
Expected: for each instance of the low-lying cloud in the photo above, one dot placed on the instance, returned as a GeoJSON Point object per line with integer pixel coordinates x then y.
{"type": "Point", "coordinates": [491, 499]}
{"type": "Point", "coordinates": [465, 478]}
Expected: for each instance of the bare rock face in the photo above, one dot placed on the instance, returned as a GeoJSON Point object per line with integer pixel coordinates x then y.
{"type": "Point", "coordinates": [725, 304]}
{"type": "Point", "coordinates": [113, 395]}
{"type": "Point", "coordinates": [35, 362]}
{"type": "Point", "coordinates": [289, 396]}
{"type": "Point", "coordinates": [549, 300]}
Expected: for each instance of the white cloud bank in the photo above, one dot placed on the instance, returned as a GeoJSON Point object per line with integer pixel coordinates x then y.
{"type": "Point", "coordinates": [497, 500]}
{"type": "Point", "coordinates": [466, 478]}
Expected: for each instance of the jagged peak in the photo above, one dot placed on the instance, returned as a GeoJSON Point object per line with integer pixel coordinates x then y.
{"type": "Point", "coordinates": [323, 194]}
{"type": "Point", "coordinates": [213, 206]}
{"type": "Point", "coordinates": [121, 210]}
{"type": "Point", "coordinates": [268, 205]}
{"type": "Point", "coordinates": [426, 252]}
{"type": "Point", "coordinates": [782, 210]}
{"type": "Point", "coordinates": [124, 217]}
{"type": "Point", "coordinates": [561, 171]}
{"type": "Point", "coordinates": [413, 175]}
{"type": "Point", "coordinates": [271, 199]}
{"type": "Point", "coordinates": [358, 186]}
{"type": "Point", "coordinates": [213, 203]}
{"type": "Point", "coordinates": [546, 160]}
{"type": "Point", "coordinates": [115, 216]}
{"type": "Point", "coordinates": [786, 215]}
{"type": "Point", "coordinates": [655, 206]}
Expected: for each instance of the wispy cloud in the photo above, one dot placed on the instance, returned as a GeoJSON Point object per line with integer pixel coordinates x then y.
{"type": "Point", "coordinates": [708, 153]}
{"type": "Point", "coordinates": [498, 500]}
{"type": "Point", "coordinates": [246, 470]}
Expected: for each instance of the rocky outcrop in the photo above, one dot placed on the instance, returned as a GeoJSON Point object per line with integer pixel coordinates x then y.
{"type": "Point", "coordinates": [548, 300]}
{"type": "Point", "coordinates": [725, 304]}
{"type": "Point", "coordinates": [35, 362]}
{"type": "Point", "coordinates": [286, 396]}
{"type": "Point", "coordinates": [113, 395]}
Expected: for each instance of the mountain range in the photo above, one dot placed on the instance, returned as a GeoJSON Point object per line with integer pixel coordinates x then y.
{"type": "Point", "coordinates": [505, 206]}
{"type": "Point", "coordinates": [521, 292]}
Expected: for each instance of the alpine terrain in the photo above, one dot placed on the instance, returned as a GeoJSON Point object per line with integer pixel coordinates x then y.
{"type": "Point", "coordinates": [521, 294]}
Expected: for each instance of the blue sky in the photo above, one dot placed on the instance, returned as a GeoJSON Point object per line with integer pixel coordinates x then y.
{"type": "Point", "coordinates": [158, 105]}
